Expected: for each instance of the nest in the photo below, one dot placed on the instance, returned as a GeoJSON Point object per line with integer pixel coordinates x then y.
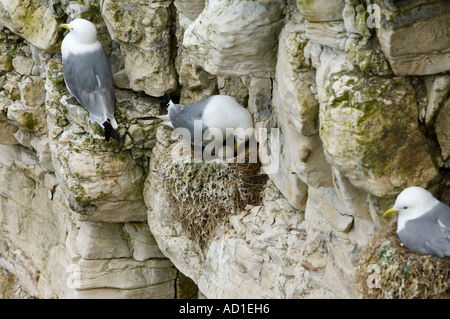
{"type": "Point", "coordinates": [204, 195]}
{"type": "Point", "coordinates": [390, 270]}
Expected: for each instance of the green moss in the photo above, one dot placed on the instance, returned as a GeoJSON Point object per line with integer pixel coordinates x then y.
{"type": "Point", "coordinates": [78, 190]}
{"type": "Point", "coordinates": [296, 42]}
{"type": "Point", "coordinates": [29, 121]}
{"type": "Point", "coordinates": [33, 18]}
{"type": "Point", "coordinates": [306, 6]}
{"type": "Point", "coordinates": [369, 57]}
{"type": "Point", "coordinates": [92, 11]}
{"type": "Point", "coordinates": [387, 252]}
{"type": "Point", "coordinates": [306, 154]}
{"type": "Point", "coordinates": [101, 195]}
{"type": "Point", "coordinates": [123, 157]}
{"type": "Point", "coordinates": [55, 72]}
{"type": "Point", "coordinates": [13, 93]}
{"type": "Point", "coordinates": [375, 117]}
{"type": "Point", "coordinates": [5, 63]}
{"type": "Point", "coordinates": [102, 172]}
{"type": "Point", "coordinates": [98, 129]}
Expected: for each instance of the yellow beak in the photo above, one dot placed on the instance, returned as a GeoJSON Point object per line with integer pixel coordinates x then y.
{"type": "Point", "coordinates": [390, 212]}
{"type": "Point", "coordinates": [65, 26]}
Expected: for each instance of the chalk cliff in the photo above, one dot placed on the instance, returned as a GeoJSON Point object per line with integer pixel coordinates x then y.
{"type": "Point", "coordinates": [351, 102]}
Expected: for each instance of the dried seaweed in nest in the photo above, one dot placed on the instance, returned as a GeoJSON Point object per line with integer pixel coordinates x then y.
{"type": "Point", "coordinates": [206, 194]}
{"type": "Point", "coordinates": [390, 270]}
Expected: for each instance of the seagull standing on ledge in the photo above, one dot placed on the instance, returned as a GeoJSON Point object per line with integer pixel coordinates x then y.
{"type": "Point", "coordinates": [87, 74]}
{"type": "Point", "coordinates": [423, 223]}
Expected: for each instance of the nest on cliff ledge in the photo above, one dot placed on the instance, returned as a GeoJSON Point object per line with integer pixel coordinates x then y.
{"type": "Point", "coordinates": [204, 195]}
{"type": "Point", "coordinates": [390, 270]}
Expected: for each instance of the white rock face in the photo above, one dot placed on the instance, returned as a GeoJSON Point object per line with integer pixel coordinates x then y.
{"type": "Point", "coordinates": [321, 10]}
{"type": "Point", "coordinates": [224, 42]}
{"type": "Point", "coordinates": [145, 43]}
{"type": "Point", "coordinates": [289, 259]}
{"type": "Point", "coordinates": [72, 217]}
{"type": "Point", "coordinates": [240, 261]}
{"type": "Point", "coordinates": [190, 9]}
{"type": "Point", "coordinates": [142, 241]}
{"type": "Point", "coordinates": [122, 278]}
{"type": "Point", "coordinates": [340, 130]}
{"type": "Point", "coordinates": [442, 133]}
{"type": "Point", "coordinates": [413, 39]}
{"type": "Point", "coordinates": [437, 90]}
{"type": "Point", "coordinates": [100, 240]}
{"type": "Point", "coordinates": [354, 115]}
{"type": "Point", "coordinates": [297, 107]}
{"type": "Point", "coordinates": [33, 21]}
{"type": "Point", "coordinates": [109, 184]}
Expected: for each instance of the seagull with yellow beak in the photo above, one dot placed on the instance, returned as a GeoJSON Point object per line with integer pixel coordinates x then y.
{"type": "Point", "coordinates": [423, 223]}
{"type": "Point", "coordinates": [87, 74]}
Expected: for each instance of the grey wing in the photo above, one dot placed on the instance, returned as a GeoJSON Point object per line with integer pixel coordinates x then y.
{"type": "Point", "coordinates": [186, 116]}
{"type": "Point", "coordinates": [88, 77]}
{"type": "Point", "coordinates": [427, 235]}
{"type": "Point", "coordinates": [443, 218]}
{"type": "Point", "coordinates": [444, 229]}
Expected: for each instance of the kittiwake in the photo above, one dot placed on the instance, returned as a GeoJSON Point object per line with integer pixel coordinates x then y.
{"type": "Point", "coordinates": [423, 223]}
{"type": "Point", "coordinates": [220, 112]}
{"type": "Point", "coordinates": [87, 74]}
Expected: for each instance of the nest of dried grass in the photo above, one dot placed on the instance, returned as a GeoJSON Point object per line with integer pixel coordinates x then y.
{"type": "Point", "coordinates": [390, 270]}
{"type": "Point", "coordinates": [204, 195]}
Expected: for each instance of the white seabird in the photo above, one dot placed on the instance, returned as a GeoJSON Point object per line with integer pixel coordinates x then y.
{"type": "Point", "coordinates": [87, 74]}
{"type": "Point", "coordinates": [423, 223]}
{"type": "Point", "coordinates": [220, 112]}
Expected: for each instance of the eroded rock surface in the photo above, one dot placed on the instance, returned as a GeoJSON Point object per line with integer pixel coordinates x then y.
{"type": "Point", "coordinates": [350, 106]}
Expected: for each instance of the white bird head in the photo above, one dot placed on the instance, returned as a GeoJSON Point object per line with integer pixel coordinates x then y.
{"type": "Point", "coordinates": [411, 203]}
{"type": "Point", "coordinates": [82, 31]}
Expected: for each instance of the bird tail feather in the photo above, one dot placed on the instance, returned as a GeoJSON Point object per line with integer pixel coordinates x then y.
{"type": "Point", "coordinates": [110, 132]}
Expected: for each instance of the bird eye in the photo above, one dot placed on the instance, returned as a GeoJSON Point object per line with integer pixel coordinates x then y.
{"type": "Point", "coordinates": [405, 207]}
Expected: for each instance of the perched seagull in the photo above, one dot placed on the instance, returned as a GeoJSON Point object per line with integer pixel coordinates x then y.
{"type": "Point", "coordinates": [423, 222]}
{"type": "Point", "coordinates": [87, 74]}
{"type": "Point", "coordinates": [215, 112]}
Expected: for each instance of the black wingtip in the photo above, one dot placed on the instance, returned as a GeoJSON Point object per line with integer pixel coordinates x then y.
{"type": "Point", "coordinates": [166, 101]}
{"type": "Point", "coordinates": [171, 98]}
{"type": "Point", "coordinates": [110, 132]}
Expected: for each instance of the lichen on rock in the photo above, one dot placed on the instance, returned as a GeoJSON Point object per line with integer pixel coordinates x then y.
{"type": "Point", "coordinates": [33, 21]}
{"type": "Point", "coordinates": [369, 57]}
{"type": "Point", "coordinates": [146, 43]}
{"type": "Point", "coordinates": [378, 153]}
{"type": "Point", "coordinates": [341, 125]}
